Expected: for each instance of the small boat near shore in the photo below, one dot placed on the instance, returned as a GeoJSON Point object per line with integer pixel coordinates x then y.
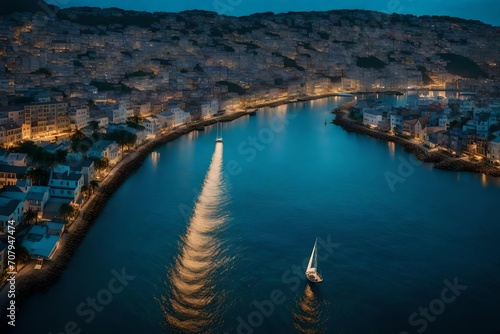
{"type": "Point", "coordinates": [253, 113]}
{"type": "Point", "coordinates": [345, 95]}
{"type": "Point", "coordinates": [218, 138]}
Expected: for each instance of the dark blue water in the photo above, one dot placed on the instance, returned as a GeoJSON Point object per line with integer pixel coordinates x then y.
{"type": "Point", "coordinates": [208, 238]}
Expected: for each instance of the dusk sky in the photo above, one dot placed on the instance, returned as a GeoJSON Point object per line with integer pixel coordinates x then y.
{"type": "Point", "coordinates": [483, 10]}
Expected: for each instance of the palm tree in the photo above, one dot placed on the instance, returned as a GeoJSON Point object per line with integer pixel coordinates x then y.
{"type": "Point", "coordinates": [33, 175]}
{"type": "Point", "coordinates": [85, 191]}
{"type": "Point", "coordinates": [93, 185]}
{"type": "Point", "coordinates": [101, 164]}
{"type": "Point", "coordinates": [29, 215]}
{"type": "Point", "coordinates": [78, 134]}
{"type": "Point", "coordinates": [66, 210]}
{"type": "Point", "coordinates": [61, 156]}
{"type": "Point", "coordinates": [22, 254]}
{"type": "Point", "coordinates": [94, 125]}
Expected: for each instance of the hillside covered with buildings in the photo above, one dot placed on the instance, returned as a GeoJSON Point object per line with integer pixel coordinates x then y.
{"type": "Point", "coordinates": [79, 86]}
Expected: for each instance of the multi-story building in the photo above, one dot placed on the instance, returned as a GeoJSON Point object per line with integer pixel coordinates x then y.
{"type": "Point", "coordinates": [10, 133]}
{"type": "Point", "coordinates": [43, 119]}
{"type": "Point", "coordinates": [65, 184]}
{"type": "Point", "coordinates": [12, 114]}
{"type": "Point", "coordinates": [79, 116]}
{"type": "Point", "coordinates": [9, 175]}
{"type": "Point", "coordinates": [494, 150]}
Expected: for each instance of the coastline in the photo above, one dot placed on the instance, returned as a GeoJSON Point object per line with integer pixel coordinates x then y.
{"type": "Point", "coordinates": [29, 282]}
{"type": "Point", "coordinates": [438, 159]}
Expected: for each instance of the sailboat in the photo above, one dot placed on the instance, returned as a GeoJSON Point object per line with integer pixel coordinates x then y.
{"type": "Point", "coordinates": [312, 273]}
{"type": "Point", "coordinates": [218, 139]}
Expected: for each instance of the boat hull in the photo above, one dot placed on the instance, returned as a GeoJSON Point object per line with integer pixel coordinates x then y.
{"type": "Point", "coordinates": [314, 277]}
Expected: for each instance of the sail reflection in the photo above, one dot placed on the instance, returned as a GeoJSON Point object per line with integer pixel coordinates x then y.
{"type": "Point", "coordinates": [192, 304]}
{"type": "Point", "coordinates": [307, 317]}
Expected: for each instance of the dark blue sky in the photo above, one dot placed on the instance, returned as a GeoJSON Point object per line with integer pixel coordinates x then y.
{"type": "Point", "coordinates": [483, 10]}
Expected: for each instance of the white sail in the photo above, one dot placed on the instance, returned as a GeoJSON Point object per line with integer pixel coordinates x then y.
{"type": "Point", "coordinates": [312, 273]}
{"type": "Point", "coordinates": [313, 261]}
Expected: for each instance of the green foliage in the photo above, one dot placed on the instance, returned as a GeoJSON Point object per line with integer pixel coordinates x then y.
{"type": "Point", "coordinates": [232, 87]}
{"type": "Point", "coordinates": [462, 66]}
{"type": "Point", "coordinates": [288, 62]}
{"type": "Point", "coordinates": [102, 85]}
{"type": "Point", "coordinates": [44, 71]}
{"type": "Point", "coordinates": [67, 211]}
{"type": "Point", "coordinates": [426, 79]}
{"type": "Point", "coordinates": [138, 74]}
{"type": "Point", "coordinates": [23, 99]}
{"type": "Point", "coordinates": [370, 62]}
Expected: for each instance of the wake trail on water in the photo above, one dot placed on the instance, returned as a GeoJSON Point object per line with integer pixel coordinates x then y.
{"type": "Point", "coordinates": [193, 302]}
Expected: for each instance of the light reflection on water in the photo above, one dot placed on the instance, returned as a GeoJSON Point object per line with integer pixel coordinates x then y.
{"type": "Point", "coordinates": [193, 299]}
{"type": "Point", "coordinates": [307, 317]}
{"type": "Point", "coordinates": [392, 148]}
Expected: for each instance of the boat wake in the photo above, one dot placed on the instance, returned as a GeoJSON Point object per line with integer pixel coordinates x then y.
{"type": "Point", "coordinates": [192, 303]}
{"type": "Point", "coordinates": [307, 318]}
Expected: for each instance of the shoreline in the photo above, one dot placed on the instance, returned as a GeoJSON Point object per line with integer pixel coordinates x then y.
{"type": "Point", "coordinates": [41, 280]}
{"type": "Point", "coordinates": [439, 159]}
{"type": "Point", "coordinates": [31, 282]}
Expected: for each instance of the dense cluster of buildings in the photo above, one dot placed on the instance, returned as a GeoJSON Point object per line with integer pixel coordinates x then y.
{"type": "Point", "coordinates": [104, 70]}
{"type": "Point", "coordinates": [462, 126]}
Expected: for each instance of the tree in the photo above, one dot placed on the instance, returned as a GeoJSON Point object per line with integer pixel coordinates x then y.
{"type": "Point", "coordinates": [33, 175]}
{"type": "Point", "coordinates": [135, 118]}
{"type": "Point", "coordinates": [22, 254]}
{"type": "Point", "coordinates": [29, 215]}
{"type": "Point", "coordinates": [93, 185]}
{"type": "Point", "coordinates": [27, 147]}
{"type": "Point", "coordinates": [78, 134]}
{"type": "Point", "coordinates": [85, 191]}
{"type": "Point", "coordinates": [67, 211]}
{"type": "Point", "coordinates": [101, 164]}
{"type": "Point", "coordinates": [96, 136]}
{"type": "Point", "coordinates": [123, 138]}
{"type": "Point", "coordinates": [94, 125]}
{"type": "Point", "coordinates": [84, 149]}
{"type": "Point", "coordinates": [61, 156]}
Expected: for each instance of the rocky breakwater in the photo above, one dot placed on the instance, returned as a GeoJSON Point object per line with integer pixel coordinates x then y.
{"type": "Point", "coordinates": [439, 159]}
{"type": "Point", "coordinates": [30, 281]}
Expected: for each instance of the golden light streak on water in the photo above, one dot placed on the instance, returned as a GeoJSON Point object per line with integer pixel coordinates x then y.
{"type": "Point", "coordinates": [392, 148]}
{"type": "Point", "coordinates": [155, 157]}
{"type": "Point", "coordinates": [484, 180]}
{"type": "Point", "coordinates": [192, 304]}
{"type": "Point", "coordinates": [307, 317]}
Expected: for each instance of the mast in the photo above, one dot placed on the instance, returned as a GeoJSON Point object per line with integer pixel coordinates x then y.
{"type": "Point", "coordinates": [315, 252]}
{"type": "Point", "coordinates": [313, 261]}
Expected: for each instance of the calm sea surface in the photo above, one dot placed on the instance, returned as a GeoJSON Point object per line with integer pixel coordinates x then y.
{"type": "Point", "coordinates": [212, 238]}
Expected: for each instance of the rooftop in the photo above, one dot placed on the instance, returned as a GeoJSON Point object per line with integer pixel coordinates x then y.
{"type": "Point", "coordinates": [39, 243]}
